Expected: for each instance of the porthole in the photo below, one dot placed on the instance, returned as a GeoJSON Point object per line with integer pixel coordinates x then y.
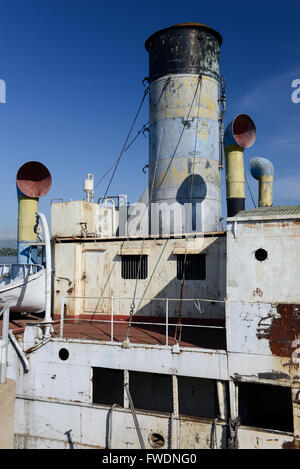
{"type": "Point", "coordinates": [156, 440]}
{"type": "Point", "coordinates": [261, 255]}
{"type": "Point", "coordinates": [63, 354]}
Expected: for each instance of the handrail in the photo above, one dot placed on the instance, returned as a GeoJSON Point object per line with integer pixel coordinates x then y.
{"type": "Point", "coordinates": [19, 351]}
{"type": "Point", "coordinates": [146, 298]}
{"type": "Point", "coordinates": [146, 323]}
{"type": "Point", "coordinates": [113, 317]}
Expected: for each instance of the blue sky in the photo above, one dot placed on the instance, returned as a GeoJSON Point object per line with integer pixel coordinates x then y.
{"type": "Point", "coordinates": [73, 72]}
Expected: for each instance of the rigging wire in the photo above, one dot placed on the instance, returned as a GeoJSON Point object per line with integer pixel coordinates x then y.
{"type": "Point", "coordinates": [178, 333]}
{"type": "Point", "coordinates": [180, 137]}
{"type": "Point", "coordinates": [178, 329]}
{"type": "Point", "coordinates": [125, 143]}
{"type": "Point", "coordinates": [132, 306]}
{"type": "Point", "coordinates": [222, 101]}
{"type": "Point", "coordinates": [142, 130]}
{"type": "Point", "coordinates": [250, 191]}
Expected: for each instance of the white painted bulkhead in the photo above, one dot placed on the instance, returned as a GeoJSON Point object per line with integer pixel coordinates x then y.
{"type": "Point", "coordinates": [263, 300]}
{"type": "Point", "coordinates": [93, 268]}
{"type": "Point", "coordinates": [54, 407]}
{"type": "Point", "coordinates": [256, 288]}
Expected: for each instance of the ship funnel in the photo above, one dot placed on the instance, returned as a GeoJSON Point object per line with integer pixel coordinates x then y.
{"type": "Point", "coordinates": [239, 134]}
{"type": "Point", "coordinates": [184, 175]}
{"type": "Point", "coordinates": [33, 181]}
{"type": "Point", "coordinates": [262, 169]}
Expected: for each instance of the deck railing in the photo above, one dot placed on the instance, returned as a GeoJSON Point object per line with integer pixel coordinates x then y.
{"type": "Point", "coordinates": [113, 320]}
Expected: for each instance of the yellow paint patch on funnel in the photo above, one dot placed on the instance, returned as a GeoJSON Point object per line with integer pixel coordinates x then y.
{"type": "Point", "coordinates": [235, 179]}
{"type": "Point", "coordinates": [27, 218]}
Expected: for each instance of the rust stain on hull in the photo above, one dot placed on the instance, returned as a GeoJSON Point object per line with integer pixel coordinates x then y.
{"type": "Point", "coordinates": [295, 444]}
{"type": "Point", "coordinates": [258, 292]}
{"type": "Point", "coordinates": [285, 330]}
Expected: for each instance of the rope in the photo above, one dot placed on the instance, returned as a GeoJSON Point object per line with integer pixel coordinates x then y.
{"type": "Point", "coordinates": [198, 306]}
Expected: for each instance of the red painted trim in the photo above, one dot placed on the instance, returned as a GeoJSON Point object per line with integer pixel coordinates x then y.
{"type": "Point", "coordinates": [18, 330]}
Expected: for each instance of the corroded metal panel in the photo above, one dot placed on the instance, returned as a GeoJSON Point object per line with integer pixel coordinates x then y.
{"type": "Point", "coordinates": [273, 280]}
{"type": "Point", "coordinates": [50, 377]}
{"type": "Point", "coordinates": [200, 434]}
{"type": "Point", "coordinates": [180, 99]}
{"type": "Point", "coordinates": [184, 48]}
{"type": "Point", "coordinates": [256, 438]}
{"type": "Point", "coordinates": [124, 434]}
{"type": "Point", "coordinates": [259, 368]}
{"type": "Point", "coordinates": [74, 218]}
{"type": "Point", "coordinates": [61, 425]}
{"type": "Point", "coordinates": [263, 301]}
{"type": "Point", "coordinates": [53, 405]}
{"type": "Point", "coordinates": [266, 329]}
{"type": "Point", "coordinates": [184, 146]}
{"type": "Point", "coordinates": [54, 408]}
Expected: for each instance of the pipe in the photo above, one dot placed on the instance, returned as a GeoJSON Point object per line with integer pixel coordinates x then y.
{"type": "Point", "coordinates": [33, 181]}
{"type": "Point", "coordinates": [37, 346]}
{"type": "Point", "coordinates": [136, 423]}
{"type": "Point", "coordinates": [5, 327]}
{"type": "Point", "coordinates": [262, 169]}
{"type": "Point", "coordinates": [239, 134]}
{"type": "Point", "coordinates": [45, 227]}
{"type": "Point", "coordinates": [19, 351]}
{"type": "Point", "coordinates": [222, 399]}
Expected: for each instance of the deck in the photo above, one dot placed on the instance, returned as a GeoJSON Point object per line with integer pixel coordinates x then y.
{"type": "Point", "coordinates": [203, 336]}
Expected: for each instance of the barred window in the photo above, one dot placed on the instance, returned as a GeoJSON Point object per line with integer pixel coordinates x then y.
{"type": "Point", "coordinates": [134, 266]}
{"type": "Point", "coordinates": [193, 266]}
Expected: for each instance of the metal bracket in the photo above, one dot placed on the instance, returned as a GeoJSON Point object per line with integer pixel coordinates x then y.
{"type": "Point", "coordinates": [234, 229]}
{"type": "Point", "coordinates": [126, 343]}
